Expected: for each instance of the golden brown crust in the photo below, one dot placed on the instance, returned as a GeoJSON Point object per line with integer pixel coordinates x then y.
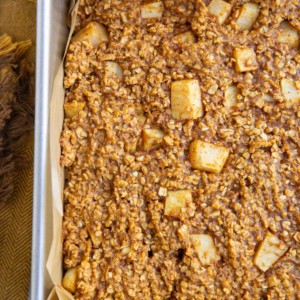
{"type": "Point", "coordinates": [114, 226]}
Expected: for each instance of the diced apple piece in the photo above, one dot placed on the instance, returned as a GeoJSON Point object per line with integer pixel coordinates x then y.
{"type": "Point", "coordinates": [288, 34]}
{"type": "Point", "coordinates": [183, 232]}
{"type": "Point", "coordinates": [113, 69]}
{"type": "Point", "coordinates": [73, 108]}
{"type": "Point", "coordinates": [139, 108]}
{"type": "Point", "coordinates": [70, 279]}
{"type": "Point", "coordinates": [152, 138]}
{"type": "Point", "coordinates": [140, 114]}
{"type": "Point", "coordinates": [290, 91]}
{"type": "Point", "coordinates": [231, 94]}
{"type": "Point", "coordinates": [152, 10]}
{"type": "Point", "coordinates": [94, 33]}
{"type": "Point", "coordinates": [220, 9]}
{"type": "Point", "coordinates": [186, 100]}
{"type": "Point", "coordinates": [245, 59]}
{"type": "Point", "coordinates": [247, 16]}
{"type": "Point", "coordinates": [131, 146]}
{"type": "Point", "coordinates": [208, 157]}
{"type": "Point", "coordinates": [176, 201]}
{"type": "Point", "coordinates": [267, 98]}
{"type": "Point", "coordinates": [96, 240]}
{"type": "Point", "coordinates": [186, 37]}
{"type": "Point", "coordinates": [141, 119]}
{"type": "Point", "coordinates": [205, 248]}
{"type": "Point", "coordinates": [270, 250]}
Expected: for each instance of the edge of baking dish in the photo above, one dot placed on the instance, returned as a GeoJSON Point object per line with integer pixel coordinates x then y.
{"type": "Point", "coordinates": [51, 38]}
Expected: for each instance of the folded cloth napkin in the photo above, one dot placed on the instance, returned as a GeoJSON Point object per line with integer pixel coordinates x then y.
{"type": "Point", "coordinates": [16, 109]}
{"type": "Point", "coordinates": [17, 18]}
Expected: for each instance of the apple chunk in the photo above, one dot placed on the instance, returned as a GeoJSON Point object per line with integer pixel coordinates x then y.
{"type": "Point", "coordinates": [94, 33]}
{"type": "Point", "coordinates": [96, 240]}
{"type": "Point", "coordinates": [290, 91]}
{"type": "Point", "coordinates": [140, 114]}
{"type": "Point", "coordinates": [73, 108]}
{"type": "Point", "coordinates": [270, 250]}
{"type": "Point", "coordinates": [152, 10]}
{"type": "Point", "coordinates": [113, 69]}
{"type": "Point", "coordinates": [205, 248]}
{"type": "Point", "coordinates": [176, 201]}
{"type": "Point", "coordinates": [267, 98]}
{"type": "Point", "coordinates": [230, 96]}
{"type": "Point", "coordinates": [288, 34]}
{"type": "Point", "coordinates": [247, 16]}
{"type": "Point", "coordinates": [152, 138]}
{"type": "Point", "coordinates": [207, 157]}
{"type": "Point", "coordinates": [186, 37]}
{"type": "Point", "coordinates": [131, 145]}
{"type": "Point", "coordinates": [245, 59]}
{"type": "Point", "coordinates": [186, 100]}
{"type": "Point", "coordinates": [70, 279]}
{"type": "Point", "coordinates": [220, 9]}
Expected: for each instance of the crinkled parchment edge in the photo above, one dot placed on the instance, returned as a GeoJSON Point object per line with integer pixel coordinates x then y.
{"type": "Point", "coordinates": [55, 259]}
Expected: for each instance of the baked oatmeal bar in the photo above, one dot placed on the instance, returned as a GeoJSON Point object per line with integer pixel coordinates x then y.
{"type": "Point", "coordinates": [181, 144]}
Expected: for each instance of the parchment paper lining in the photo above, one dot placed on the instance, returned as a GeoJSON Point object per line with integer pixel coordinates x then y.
{"type": "Point", "coordinates": [55, 259]}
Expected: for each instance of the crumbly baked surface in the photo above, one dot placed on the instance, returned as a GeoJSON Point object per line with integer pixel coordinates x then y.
{"type": "Point", "coordinates": [116, 231]}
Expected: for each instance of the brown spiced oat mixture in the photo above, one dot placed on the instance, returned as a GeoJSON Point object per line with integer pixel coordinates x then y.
{"type": "Point", "coordinates": [115, 229]}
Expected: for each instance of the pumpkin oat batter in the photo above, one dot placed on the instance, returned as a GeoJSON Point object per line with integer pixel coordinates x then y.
{"type": "Point", "coordinates": [181, 146]}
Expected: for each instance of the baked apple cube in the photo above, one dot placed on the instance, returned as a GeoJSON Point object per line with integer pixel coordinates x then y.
{"type": "Point", "coordinates": [140, 114]}
{"type": "Point", "coordinates": [267, 98]}
{"type": "Point", "coordinates": [207, 157]}
{"type": "Point", "coordinates": [131, 145]}
{"type": "Point", "coordinates": [270, 250]}
{"type": "Point", "coordinates": [187, 37]}
{"type": "Point", "coordinates": [247, 16]}
{"type": "Point", "coordinates": [73, 108]}
{"type": "Point", "coordinates": [152, 10]}
{"type": "Point", "coordinates": [220, 9]}
{"type": "Point", "coordinates": [176, 201]}
{"type": "Point", "coordinates": [113, 69]}
{"type": "Point", "coordinates": [70, 279]}
{"type": "Point", "coordinates": [95, 237]}
{"type": "Point", "coordinates": [288, 34]}
{"type": "Point", "coordinates": [139, 109]}
{"type": "Point", "coordinates": [152, 138]}
{"type": "Point", "coordinates": [245, 59]}
{"type": "Point", "coordinates": [94, 33]}
{"type": "Point", "coordinates": [186, 100]}
{"type": "Point", "coordinates": [290, 91]}
{"type": "Point", "coordinates": [205, 248]}
{"type": "Point", "coordinates": [230, 96]}
{"type": "Point", "coordinates": [96, 240]}
{"type": "Point", "coordinates": [141, 119]}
